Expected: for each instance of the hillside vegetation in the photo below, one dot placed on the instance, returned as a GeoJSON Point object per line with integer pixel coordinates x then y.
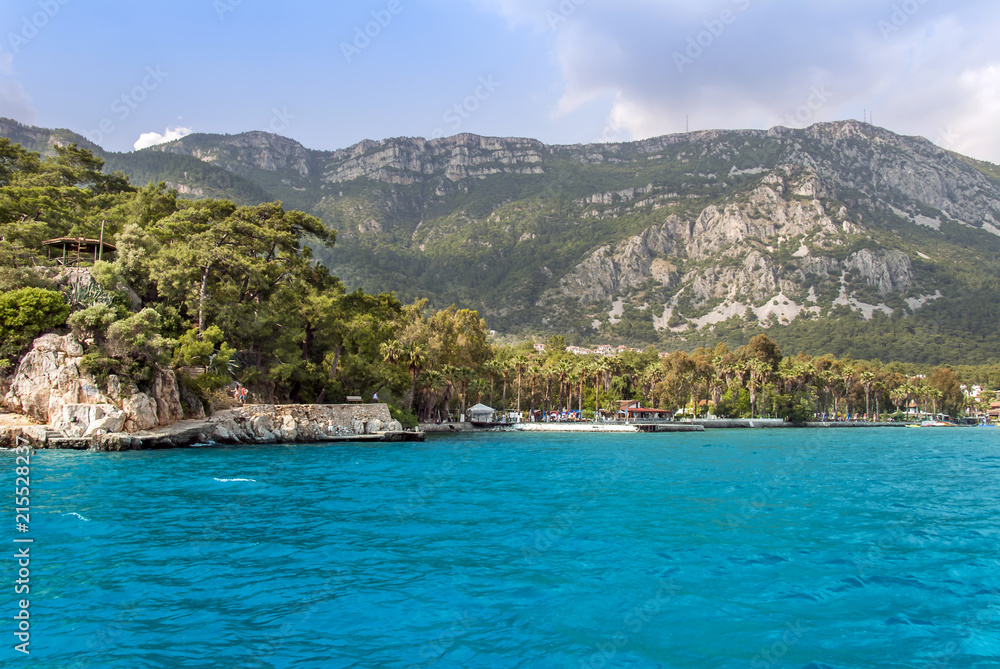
{"type": "Point", "coordinates": [841, 238]}
{"type": "Point", "coordinates": [228, 293]}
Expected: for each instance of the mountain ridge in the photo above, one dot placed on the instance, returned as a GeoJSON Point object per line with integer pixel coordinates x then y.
{"type": "Point", "coordinates": [670, 240]}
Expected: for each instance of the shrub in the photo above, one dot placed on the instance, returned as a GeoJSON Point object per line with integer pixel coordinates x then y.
{"type": "Point", "coordinates": [137, 338]}
{"type": "Point", "coordinates": [106, 275]}
{"type": "Point", "coordinates": [102, 367]}
{"type": "Point", "coordinates": [406, 418]}
{"type": "Point", "coordinates": [27, 313]}
{"type": "Point", "coordinates": [93, 322]}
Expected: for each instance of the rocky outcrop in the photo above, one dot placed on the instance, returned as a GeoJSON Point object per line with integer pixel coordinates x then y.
{"type": "Point", "coordinates": [886, 271]}
{"type": "Point", "coordinates": [49, 378]}
{"type": "Point", "coordinates": [238, 153]}
{"type": "Point", "coordinates": [51, 387]}
{"type": "Point", "coordinates": [404, 161]}
{"type": "Point", "coordinates": [88, 420]}
{"type": "Point", "coordinates": [257, 424]}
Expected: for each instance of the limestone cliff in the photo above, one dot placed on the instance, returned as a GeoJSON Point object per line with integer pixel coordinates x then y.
{"type": "Point", "coordinates": [52, 387]}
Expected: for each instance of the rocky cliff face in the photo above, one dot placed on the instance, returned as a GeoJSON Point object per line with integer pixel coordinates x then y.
{"type": "Point", "coordinates": [406, 161]}
{"type": "Point", "coordinates": [693, 228]}
{"type": "Point", "coordinates": [236, 153]}
{"type": "Point", "coordinates": [51, 387]}
{"type": "Point", "coordinates": [763, 248]}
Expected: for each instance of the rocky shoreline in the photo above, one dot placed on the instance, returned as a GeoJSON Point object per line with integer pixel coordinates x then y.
{"type": "Point", "coordinates": [253, 424]}
{"type": "Point", "coordinates": [56, 403]}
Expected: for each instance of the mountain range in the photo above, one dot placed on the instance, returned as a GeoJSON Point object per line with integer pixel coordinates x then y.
{"type": "Point", "coordinates": [840, 237]}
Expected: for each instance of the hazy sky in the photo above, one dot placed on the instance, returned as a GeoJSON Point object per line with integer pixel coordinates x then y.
{"type": "Point", "coordinates": [330, 74]}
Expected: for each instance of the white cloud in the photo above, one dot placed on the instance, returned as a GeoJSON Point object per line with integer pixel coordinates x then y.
{"type": "Point", "coordinates": [15, 102]}
{"type": "Point", "coordinates": [148, 139]}
{"type": "Point", "coordinates": [928, 69]}
{"type": "Point", "coordinates": [6, 64]}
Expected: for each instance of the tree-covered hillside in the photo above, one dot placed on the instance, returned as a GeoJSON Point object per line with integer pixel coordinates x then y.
{"type": "Point", "coordinates": [226, 293]}
{"type": "Point", "coordinates": [839, 238]}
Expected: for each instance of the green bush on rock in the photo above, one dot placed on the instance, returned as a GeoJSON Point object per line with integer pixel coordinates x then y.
{"type": "Point", "coordinates": [27, 313]}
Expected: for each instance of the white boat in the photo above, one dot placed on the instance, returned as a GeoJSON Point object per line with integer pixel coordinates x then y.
{"type": "Point", "coordinates": [936, 423]}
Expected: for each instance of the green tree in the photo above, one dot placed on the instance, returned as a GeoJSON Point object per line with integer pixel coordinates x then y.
{"type": "Point", "coordinates": [27, 313]}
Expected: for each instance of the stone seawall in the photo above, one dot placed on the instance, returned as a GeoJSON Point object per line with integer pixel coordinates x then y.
{"type": "Point", "coordinates": [300, 423]}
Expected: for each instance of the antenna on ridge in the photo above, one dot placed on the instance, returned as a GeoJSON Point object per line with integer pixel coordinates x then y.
{"type": "Point", "coordinates": [687, 123]}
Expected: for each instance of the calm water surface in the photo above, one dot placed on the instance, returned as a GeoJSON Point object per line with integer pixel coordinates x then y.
{"type": "Point", "coordinates": [810, 549]}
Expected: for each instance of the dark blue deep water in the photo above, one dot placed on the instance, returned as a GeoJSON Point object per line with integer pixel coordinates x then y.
{"type": "Point", "coordinates": [810, 549]}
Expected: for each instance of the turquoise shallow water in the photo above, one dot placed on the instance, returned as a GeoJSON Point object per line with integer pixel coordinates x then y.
{"type": "Point", "coordinates": [810, 549]}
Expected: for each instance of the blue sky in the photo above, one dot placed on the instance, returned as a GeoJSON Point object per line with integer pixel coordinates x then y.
{"type": "Point", "coordinates": [563, 71]}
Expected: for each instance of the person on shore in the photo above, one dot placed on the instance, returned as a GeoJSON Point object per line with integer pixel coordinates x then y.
{"type": "Point", "coordinates": [375, 397]}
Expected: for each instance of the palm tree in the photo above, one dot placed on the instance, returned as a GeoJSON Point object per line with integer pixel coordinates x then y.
{"type": "Point", "coordinates": [431, 387]}
{"type": "Point", "coordinates": [562, 370]}
{"type": "Point", "coordinates": [758, 372]}
{"type": "Point", "coordinates": [450, 372]}
{"type": "Point", "coordinates": [415, 357]}
{"type": "Point", "coordinates": [518, 363]}
{"type": "Point", "coordinates": [493, 368]}
{"type": "Point", "coordinates": [867, 379]}
{"type": "Point", "coordinates": [533, 371]}
{"type": "Point", "coordinates": [463, 375]}
{"type": "Point", "coordinates": [505, 368]}
{"type": "Point", "coordinates": [392, 351]}
{"type": "Point", "coordinates": [848, 376]}
{"type": "Point", "coordinates": [598, 368]}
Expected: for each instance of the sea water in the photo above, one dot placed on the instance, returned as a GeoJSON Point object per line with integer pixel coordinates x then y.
{"type": "Point", "coordinates": [818, 549]}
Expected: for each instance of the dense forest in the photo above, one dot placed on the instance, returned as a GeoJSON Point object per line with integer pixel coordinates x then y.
{"type": "Point", "coordinates": [232, 293]}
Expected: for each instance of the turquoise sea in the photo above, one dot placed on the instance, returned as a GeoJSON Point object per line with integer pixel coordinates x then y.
{"type": "Point", "coordinates": [814, 549]}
